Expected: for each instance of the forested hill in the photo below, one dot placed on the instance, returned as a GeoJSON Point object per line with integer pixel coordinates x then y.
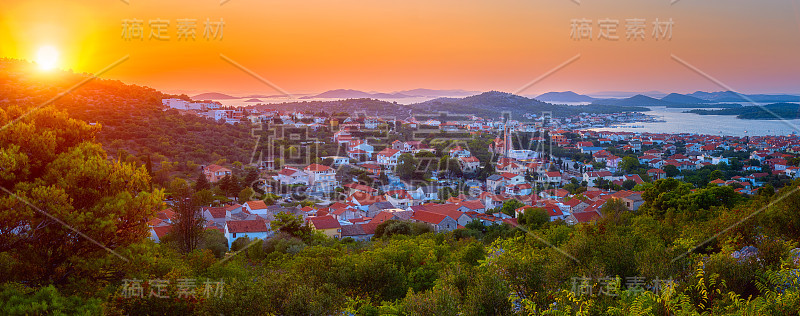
{"type": "Point", "coordinates": [775, 111]}
{"type": "Point", "coordinates": [494, 103]}
{"type": "Point", "coordinates": [133, 122]}
{"type": "Point", "coordinates": [365, 106]}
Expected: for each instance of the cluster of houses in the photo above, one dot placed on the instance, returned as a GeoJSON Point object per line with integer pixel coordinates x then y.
{"type": "Point", "coordinates": [365, 208]}
{"type": "Point", "coordinates": [521, 174]}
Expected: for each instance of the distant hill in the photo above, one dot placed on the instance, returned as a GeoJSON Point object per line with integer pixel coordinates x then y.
{"type": "Point", "coordinates": [683, 99]}
{"type": "Point", "coordinates": [213, 96]}
{"type": "Point", "coordinates": [706, 106]}
{"type": "Point", "coordinates": [252, 100]}
{"type": "Point", "coordinates": [566, 96]}
{"type": "Point", "coordinates": [494, 103]}
{"type": "Point", "coordinates": [730, 96]}
{"type": "Point", "coordinates": [134, 122]}
{"type": "Point", "coordinates": [354, 94]}
{"type": "Point", "coordinates": [637, 100]}
{"type": "Point", "coordinates": [352, 106]}
{"type": "Point", "coordinates": [775, 111]}
{"type": "Point", "coordinates": [436, 93]}
{"type": "Point", "coordinates": [625, 94]}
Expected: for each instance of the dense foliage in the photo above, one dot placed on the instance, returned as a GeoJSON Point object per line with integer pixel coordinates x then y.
{"type": "Point", "coordinates": [135, 126]}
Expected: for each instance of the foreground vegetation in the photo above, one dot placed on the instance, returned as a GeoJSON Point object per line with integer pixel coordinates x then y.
{"type": "Point", "coordinates": [74, 240]}
{"type": "Point", "coordinates": [726, 254]}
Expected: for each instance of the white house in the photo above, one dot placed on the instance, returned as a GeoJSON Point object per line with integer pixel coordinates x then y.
{"type": "Point", "coordinates": [552, 177]}
{"type": "Point", "coordinates": [457, 151]}
{"type": "Point", "coordinates": [290, 175]}
{"type": "Point", "coordinates": [338, 160]}
{"type": "Point", "coordinates": [255, 207]}
{"type": "Point", "coordinates": [175, 103]}
{"type": "Point", "coordinates": [321, 178]}
{"type": "Point", "coordinates": [469, 164]}
{"type": "Point", "coordinates": [388, 157]}
{"type": "Point", "coordinates": [256, 228]}
{"type": "Point", "coordinates": [592, 176]}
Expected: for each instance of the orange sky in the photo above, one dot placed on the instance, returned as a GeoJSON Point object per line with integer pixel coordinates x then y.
{"type": "Point", "coordinates": [382, 45]}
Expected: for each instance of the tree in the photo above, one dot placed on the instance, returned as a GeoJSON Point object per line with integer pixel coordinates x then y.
{"type": "Point", "coordinates": [215, 241]}
{"type": "Point", "coordinates": [663, 195]}
{"type": "Point", "coordinates": [534, 217]}
{"type": "Point", "coordinates": [229, 185]}
{"type": "Point", "coordinates": [240, 243]}
{"type": "Point", "coordinates": [716, 174]}
{"type": "Point", "coordinates": [510, 206]}
{"type": "Point", "coordinates": [246, 195]}
{"type": "Point", "coordinates": [250, 178]}
{"type": "Point", "coordinates": [629, 164]}
{"type": "Point", "coordinates": [615, 211]}
{"type": "Point", "coordinates": [289, 224]}
{"type": "Point", "coordinates": [148, 165]}
{"type": "Point", "coordinates": [188, 228]}
{"type": "Point", "coordinates": [406, 166]}
{"type": "Point", "coordinates": [64, 197]}
{"type": "Point", "coordinates": [628, 184]}
{"type": "Point", "coordinates": [204, 197]}
{"type": "Point", "coordinates": [671, 171]}
{"type": "Point", "coordinates": [486, 171]}
{"type": "Point", "coordinates": [383, 178]}
{"type": "Point", "coordinates": [394, 227]}
{"type": "Point", "coordinates": [201, 183]}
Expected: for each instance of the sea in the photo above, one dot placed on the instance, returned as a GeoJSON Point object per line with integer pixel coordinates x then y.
{"type": "Point", "coordinates": [668, 120]}
{"type": "Point", "coordinates": [674, 120]}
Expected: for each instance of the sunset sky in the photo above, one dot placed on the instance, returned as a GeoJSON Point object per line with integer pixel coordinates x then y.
{"type": "Point", "coordinates": [381, 45]}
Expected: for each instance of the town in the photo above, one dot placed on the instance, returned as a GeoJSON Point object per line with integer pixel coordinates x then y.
{"type": "Point", "coordinates": [426, 171]}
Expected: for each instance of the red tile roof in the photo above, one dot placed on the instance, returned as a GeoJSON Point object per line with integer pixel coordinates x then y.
{"type": "Point", "coordinates": [162, 230]}
{"type": "Point", "coordinates": [247, 226]}
{"type": "Point", "coordinates": [317, 168]}
{"type": "Point", "coordinates": [450, 210]}
{"type": "Point", "coordinates": [382, 217]}
{"type": "Point", "coordinates": [217, 212]}
{"type": "Point", "coordinates": [428, 217]}
{"type": "Point", "coordinates": [585, 217]}
{"type": "Point", "coordinates": [216, 168]}
{"type": "Point", "coordinates": [324, 222]}
{"type": "Point", "coordinates": [256, 205]}
{"type": "Point", "coordinates": [360, 187]}
{"type": "Point", "coordinates": [472, 205]}
{"type": "Point", "coordinates": [166, 214]}
{"type": "Point", "coordinates": [388, 152]}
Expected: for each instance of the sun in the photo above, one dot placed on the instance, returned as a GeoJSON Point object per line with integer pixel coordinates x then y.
{"type": "Point", "coordinates": [47, 57]}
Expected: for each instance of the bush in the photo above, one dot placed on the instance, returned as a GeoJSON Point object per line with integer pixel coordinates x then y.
{"type": "Point", "coordinates": [16, 299]}
{"type": "Point", "coordinates": [240, 243]}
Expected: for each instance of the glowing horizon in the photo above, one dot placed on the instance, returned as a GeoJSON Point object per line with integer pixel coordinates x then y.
{"type": "Point", "coordinates": [317, 45]}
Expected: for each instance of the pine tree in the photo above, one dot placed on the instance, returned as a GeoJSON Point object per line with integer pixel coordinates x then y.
{"type": "Point", "coordinates": [148, 164]}
{"type": "Point", "coordinates": [201, 183]}
{"type": "Point", "coordinates": [188, 229]}
{"type": "Point", "coordinates": [250, 178]}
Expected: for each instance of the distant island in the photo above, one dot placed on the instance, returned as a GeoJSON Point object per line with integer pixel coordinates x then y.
{"type": "Point", "coordinates": [213, 96]}
{"type": "Point", "coordinates": [705, 106]}
{"type": "Point", "coordinates": [494, 103]}
{"type": "Point", "coordinates": [355, 94]}
{"type": "Point", "coordinates": [566, 96]}
{"type": "Point", "coordinates": [775, 111]}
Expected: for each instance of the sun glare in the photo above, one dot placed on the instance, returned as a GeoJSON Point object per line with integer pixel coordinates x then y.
{"type": "Point", "coordinates": [47, 57]}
